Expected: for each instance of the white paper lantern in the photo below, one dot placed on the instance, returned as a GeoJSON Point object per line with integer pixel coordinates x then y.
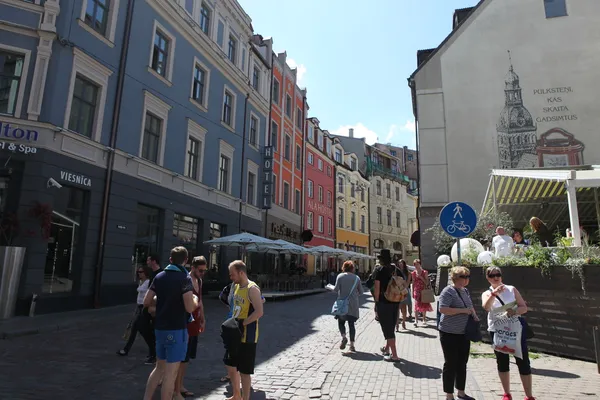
{"type": "Point", "coordinates": [467, 245]}
{"type": "Point", "coordinates": [443, 260]}
{"type": "Point", "coordinates": [485, 258]}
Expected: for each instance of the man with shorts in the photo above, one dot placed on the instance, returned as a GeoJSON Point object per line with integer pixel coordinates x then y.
{"type": "Point", "coordinates": [247, 310]}
{"type": "Point", "coordinates": [175, 300]}
{"type": "Point", "coordinates": [195, 327]}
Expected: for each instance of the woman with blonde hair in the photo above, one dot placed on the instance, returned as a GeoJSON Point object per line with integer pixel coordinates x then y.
{"type": "Point", "coordinates": [455, 306]}
{"type": "Point", "coordinates": [541, 232]}
{"type": "Point", "coordinates": [348, 286]}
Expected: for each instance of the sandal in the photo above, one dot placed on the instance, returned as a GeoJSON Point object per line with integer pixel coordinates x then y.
{"type": "Point", "coordinates": [391, 359]}
{"type": "Point", "coordinates": [187, 393]}
{"type": "Point", "coordinates": [224, 378]}
{"type": "Point", "coordinates": [122, 353]}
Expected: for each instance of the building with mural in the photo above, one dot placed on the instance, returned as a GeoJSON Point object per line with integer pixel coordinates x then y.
{"type": "Point", "coordinates": [525, 102]}
{"type": "Point", "coordinates": [128, 128]}
{"type": "Point", "coordinates": [352, 204]}
{"type": "Point", "coordinates": [319, 192]}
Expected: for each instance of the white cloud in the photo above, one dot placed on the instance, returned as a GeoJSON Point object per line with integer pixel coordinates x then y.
{"type": "Point", "coordinates": [360, 131]}
{"type": "Point", "coordinates": [399, 135]}
{"type": "Point", "coordinates": [301, 69]}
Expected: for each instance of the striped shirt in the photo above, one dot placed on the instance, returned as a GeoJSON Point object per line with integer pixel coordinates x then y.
{"type": "Point", "coordinates": [449, 298]}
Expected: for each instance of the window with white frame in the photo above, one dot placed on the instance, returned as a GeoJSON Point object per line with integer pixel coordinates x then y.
{"type": "Point", "coordinates": [329, 226]}
{"type": "Point", "coordinates": [341, 218]}
{"type": "Point", "coordinates": [297, 203]}
{"type": "Point", "coordinates": [151, 140]}
{"type": "Point", "coordinates": [320, 194]}
{"type": "Point", "coordinates": [195, 151]}
{"type": "Point", "coordinates": [329, 170]}
{"type": "Point", "coordinates": [276, 94]}
{"type": "Point", "coordinates": [232, 49]}
{"type": "Point", "coordinates": [320, 224]}
{"type": "Point", "coordinates": [397, 219]}
{"type": "Point", "coordinates": [362, 193]}
{"type": "Point", "coordinates": [228, 115]}
{"type": "Point", "coordinates": [274, 135]}
{"type": "Point", "coordinates": [287, 149]}
{"type": "Point", "coordinates": [353, 220]}
{"type": "Point", "coordinates": [320, 164]}
{"type": "Point", "coordinates": [99, 17]}
{"type": "Point", "coordinates": [299, 117]}
{"type": "Point", "coordinates": [163, 52]}
{"type": "Point", "coordinates": [14, 64]}
{"type": "Point", "coordinates": [288, 105]}
{"type": "Point", "coordinates": [225, 166]}
{"type": "Point", "coordinates": [252, 187]}
{"type": "Point", "coordinates": [311, 134]}
{"type": "Point", "coordinates": [253, 134]}
{"type": "Point", "coordinates": [189, 6]}
{"type": "Point", "coordinates": [205, 16]}
{"type": "Point", "coordinates": [84, 112]}
{"type": "Point", "coordinates": [286, 195]}
{"type": "Point", "coordinates": [200, 83]}
{"type": "Point", "coordinates": [256, 78]}
{"type": "Point", "coordinates": [154, 128]}
{"type": "Point", "coordinates": [329, 198]}
{"type": "Point", "coordinates": [378, 187]}
{"type": "Point", "coordinates": [338, 155]}
{"type": "Point", "coordinates": [362, 223]}
{"type": "Point", "coordinates": [379, 215]}
{"type": "Point", "coordinates": [310, 158]}
{"type": "Point", "coordinates": [310, 220]}
{"type": "Point", "coordinates": [353, 190]}
{"type": "Point", "coordinates": [274, 197]}
{"type": "Point", "coordinates": [328, 147]}
{"type": "Point", "coordinates": [397, 193]}
{"type": "Point", "coordinates": [311, 191]}
{"type": "Point", "coordinates": [353, 164]}
{"type": "Point", "coordinates": [388, 190]}
{"type": "Point", "coordinates": [320, 140]}
{"type": "Point", "coordinates": [389, 217]}
{"type": "Point", "coordinates": [298, 157]}
{"type": "Point", "coordinates": [340, 184]}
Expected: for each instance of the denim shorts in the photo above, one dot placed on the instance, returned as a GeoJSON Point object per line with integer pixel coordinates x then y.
{"type": "Point", "coordinates": [171, 345]}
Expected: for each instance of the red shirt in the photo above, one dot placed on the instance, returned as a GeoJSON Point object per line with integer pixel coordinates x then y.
{"type": "Point", "coordinates": [194, 327]}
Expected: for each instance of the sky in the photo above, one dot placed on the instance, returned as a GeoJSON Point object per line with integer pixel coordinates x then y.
{"type": "Point", "coordinates": [354, 58]}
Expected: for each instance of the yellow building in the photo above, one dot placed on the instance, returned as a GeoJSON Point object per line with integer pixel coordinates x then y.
{"type": "Point", "coordinates": [352, 205]}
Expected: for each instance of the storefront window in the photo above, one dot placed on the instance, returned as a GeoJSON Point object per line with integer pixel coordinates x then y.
{"type": "Point", "coordinates": [146, 241]}
{"type": "Point", "coordinates": [65, 232]}
{"type": "Point", "coordinates": [185, 232]}
{"type": "Point", "coordinates": [215, 256]}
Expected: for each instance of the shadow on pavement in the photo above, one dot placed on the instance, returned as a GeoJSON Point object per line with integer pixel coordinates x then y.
{"type": "Point", "coordinates": [418, 371]}
{"type": "Point", "coordinates": [418, 334]}
{"type": "Point", "coordinates": [362, 356]}
{"type": "Point", "coordinates": [554, 374]}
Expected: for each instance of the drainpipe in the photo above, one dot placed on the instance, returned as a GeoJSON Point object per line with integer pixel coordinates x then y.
{"type": "Point", "coordinates": [411, 84]}
{"type": "Point", "coordinates": [111, 152]}
{"type": "Point", "coordinates": [243, 161]}
{"type": "Point", "coordinates": [303, 163]}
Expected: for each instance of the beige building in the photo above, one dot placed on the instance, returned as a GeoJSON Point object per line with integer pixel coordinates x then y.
{"type": "Point", "coordinates": [514, 85]}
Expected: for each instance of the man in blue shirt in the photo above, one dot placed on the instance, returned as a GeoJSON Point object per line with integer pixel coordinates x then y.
{"type": "Point", "coordinates": [175, 300]}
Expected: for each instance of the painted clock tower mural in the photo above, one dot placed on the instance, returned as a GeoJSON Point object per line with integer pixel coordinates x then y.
{"type": "Point", "coordinates": [517, 132]}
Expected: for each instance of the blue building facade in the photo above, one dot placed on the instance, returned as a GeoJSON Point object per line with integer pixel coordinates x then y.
{"type": "Point", "coordinates": [145, 122]}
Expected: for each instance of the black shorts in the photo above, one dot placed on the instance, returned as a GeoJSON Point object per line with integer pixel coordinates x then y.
{"type": "Point", "coordinates": [241, 356]}
{"type": "Point", "coordinates": [192, 349]}
{"type": "Point", "coordinates": [388, 316]}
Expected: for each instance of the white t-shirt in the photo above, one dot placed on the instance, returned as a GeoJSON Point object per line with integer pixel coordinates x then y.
{"type": "Point", "coordinates": [502, 245]}
{"type": "Point", "coordinates": [142, 289]}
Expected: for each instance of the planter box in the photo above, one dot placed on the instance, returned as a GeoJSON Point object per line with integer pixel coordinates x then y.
{"type": "Point", "coordinates": [561, 314]}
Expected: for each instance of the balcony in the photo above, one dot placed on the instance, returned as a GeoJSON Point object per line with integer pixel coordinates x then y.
{"type": "Point", "coordinates": [374, 168]}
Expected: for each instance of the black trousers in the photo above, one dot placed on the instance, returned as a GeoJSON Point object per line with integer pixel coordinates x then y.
{"type": "Point", "coordinates": [456, 355]}
{"type": "Point", "coordinates": [143, 324]}
{"type": "Point", "coordinates": [503, 360]}
{"type": "Point", "coordinates": [342, 325]}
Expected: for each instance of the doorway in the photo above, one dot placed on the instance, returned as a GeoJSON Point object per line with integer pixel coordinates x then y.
{"type": "Point", "coordinates": [62, 244]}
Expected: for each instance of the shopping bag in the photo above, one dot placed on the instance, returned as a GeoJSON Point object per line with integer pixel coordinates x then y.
{"type": "Point", "coordinates": [427, 295]}
{"type": "Point", "coordinates": [507, 337]}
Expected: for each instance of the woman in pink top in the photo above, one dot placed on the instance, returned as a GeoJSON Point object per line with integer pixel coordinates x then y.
{"type": "Point", "coordinates": [420, 278]}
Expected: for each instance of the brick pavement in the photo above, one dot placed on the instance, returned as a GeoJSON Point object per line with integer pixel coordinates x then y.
{"type": "Point", "coordinates": [298, 358]}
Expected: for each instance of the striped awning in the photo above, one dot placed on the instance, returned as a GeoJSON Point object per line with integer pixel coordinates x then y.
{"type": "Point", "coordinates": [524, 194]}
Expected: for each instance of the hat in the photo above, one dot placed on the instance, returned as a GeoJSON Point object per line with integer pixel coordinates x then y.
{"type": "Point", "coordinates": [385, 255]}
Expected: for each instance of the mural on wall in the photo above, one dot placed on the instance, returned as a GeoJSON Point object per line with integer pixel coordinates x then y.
{"type": "Point", "coordinates": [517, 130]}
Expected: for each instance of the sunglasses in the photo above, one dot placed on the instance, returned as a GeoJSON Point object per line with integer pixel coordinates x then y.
{"type": "Point", "coordinates": [201, 270]}
{"type": "Point", "coordinates": [497, 275]}
{"type": "Point", "coordinates": [465, 276]}
{"type": "Point", "coordinates": [140, 272]}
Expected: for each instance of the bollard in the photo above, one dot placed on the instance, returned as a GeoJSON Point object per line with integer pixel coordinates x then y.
{"type": "Point", "coordinates": [32, 305]}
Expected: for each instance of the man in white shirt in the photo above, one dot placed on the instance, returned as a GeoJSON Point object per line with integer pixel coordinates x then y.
{"type": "Point", "coordinates": [502, 243]}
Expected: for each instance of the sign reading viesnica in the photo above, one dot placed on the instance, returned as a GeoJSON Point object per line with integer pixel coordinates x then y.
{"type": "Point", "coordinates": [78, 179]}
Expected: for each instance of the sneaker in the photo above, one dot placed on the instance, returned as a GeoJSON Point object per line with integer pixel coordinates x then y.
{"type": "Point", "coordinates": [150, 360]}
{"type": "Point", "coordinates": [465, 397]}
{"type": "Point", "coordinates": [352, 348]}
{"type": "Point", "coordinates": [343, 344]}
{"type": "Point", "coordinates": [122, 353]}
{"type": "Point", "coordinates": [507, 396]}
{"type": "Point", "coordinates": [529, 398]}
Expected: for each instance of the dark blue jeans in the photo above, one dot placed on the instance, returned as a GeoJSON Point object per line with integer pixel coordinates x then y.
{"type": "Point", "coordinates": [342, 325]}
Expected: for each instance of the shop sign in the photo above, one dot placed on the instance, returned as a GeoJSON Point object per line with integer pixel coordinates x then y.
{"type": "Point", "coordinates": [18, 148]}
{"type": "Point", "coordinates": [14, 132]}
{"type": "Point", "coordinates": [78, 179]}
{"type": "Point", "coordinates": [267, 177]}
{"type": "Point", "coordinates": [283, 231]}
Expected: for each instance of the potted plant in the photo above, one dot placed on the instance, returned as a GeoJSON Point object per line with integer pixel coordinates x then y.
{"type": "Point", "coordinates": [11, 264]}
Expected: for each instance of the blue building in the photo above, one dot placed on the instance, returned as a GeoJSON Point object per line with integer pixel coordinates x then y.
{"type": "Point", "coordinates": [128, 127]}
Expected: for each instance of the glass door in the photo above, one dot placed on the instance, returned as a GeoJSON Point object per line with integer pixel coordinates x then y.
{"type": "Point", "coordinates": [62, 243]}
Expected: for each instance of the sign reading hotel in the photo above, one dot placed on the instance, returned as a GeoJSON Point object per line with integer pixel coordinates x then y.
{"type": "Point", "coordinates": [267, 177]}
{"type": "Point", "coordinates": [14, 132]}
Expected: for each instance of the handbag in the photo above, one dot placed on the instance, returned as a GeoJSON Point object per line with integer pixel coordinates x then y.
{"type": "Point", "coordinates": [473, 328]}
{"type": "Point", "coordinates": [340, 306]}
{"type": "Point", "coordinates": [427, 295]}
{"type": "Point", "coordinates": [527, 331]}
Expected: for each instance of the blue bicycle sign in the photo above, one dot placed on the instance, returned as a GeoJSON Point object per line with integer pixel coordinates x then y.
{"type": "Point", "coordinates": [458, 219]}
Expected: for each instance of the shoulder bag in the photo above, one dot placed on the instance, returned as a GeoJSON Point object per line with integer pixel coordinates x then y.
{"type": "Point", "coordinates": [527, 331]}
{"type": "Point", "coordinates": [427, 295]}
{"type": "Point", "coordinates": [473, 328]}
{"type": "Point", "coordinates": [340, 307]}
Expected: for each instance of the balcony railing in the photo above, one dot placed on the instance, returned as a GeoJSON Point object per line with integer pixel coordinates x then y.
{"type": "Point", "coordinates": [378, 169]}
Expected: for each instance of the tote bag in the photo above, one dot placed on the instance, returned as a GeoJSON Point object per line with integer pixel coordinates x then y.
{"type": "Point", "coordinates": [427, 295]}
{"type": "Point", "coordinates": [527, 331]}
{"type": "Point", "coordinates": [340, 307]}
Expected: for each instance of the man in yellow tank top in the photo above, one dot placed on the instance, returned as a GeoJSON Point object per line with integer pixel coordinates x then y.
{"type": "Point", "coordinates": [247, 309]}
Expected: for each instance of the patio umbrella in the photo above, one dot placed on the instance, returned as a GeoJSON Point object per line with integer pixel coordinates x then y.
{"type": "Point", "coordinates": [242, 240]}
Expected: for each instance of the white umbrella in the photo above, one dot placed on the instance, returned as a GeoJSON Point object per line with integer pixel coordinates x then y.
{"type": "Point", "coordinates": [241, 240]}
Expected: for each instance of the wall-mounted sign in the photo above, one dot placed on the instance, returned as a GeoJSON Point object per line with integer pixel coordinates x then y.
{"type": "Point", "coordinates": [267, 177]}
{"type": "Point", "coordinates": [121, 227]}
{"type": "Point", "coordinates": [18, 148]}
{"type": "Point", "coordinates": [283, 231]}
{"type": "Point", "coordinates": [14, 132]}
{"type": "Point", "coordinates": [78, 179]}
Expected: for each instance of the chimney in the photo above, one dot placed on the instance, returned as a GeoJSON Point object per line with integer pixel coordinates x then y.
{"type": "Point", "coordinates": [351, 134]}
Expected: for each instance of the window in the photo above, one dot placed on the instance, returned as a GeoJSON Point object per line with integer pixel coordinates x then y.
{"type": "Point", "coordinates": [327, 147]}
{"type": "Point", "coordinates": [311, 192]}
{"type": "Point", "coordinates": [199, 85]}
{"type": "Point", "coordinates": [286, 195]}
{"type": "Point", "coordinates": [193, 158]}
{"type": "Point", "coordinates": [341, 218]}
{"type": "Point", "coordinates": [189, 6]}
{"type": "Point", "coordinates": [274, 199]}
{"type": "Point", "coordinates": [310, 158]}
{"type": "Point", "coordinates": [338, 155]}
{"type": "Point", "coordinates": [397, 219]}
{"type": "Point", "coordinates": [311, 133]}
{"type": "Point", "coordinates": [320, 194]}
{"type": "Point", "coordinates": [204, 18]}
{"type": "Point", "coordinates": [276, 91]}
{"type": "Point", "coordinates": [309, 220]}
{"type": "Point", "coordinates": [253, 131]}
{"type": "Point", "coordinates": [340, 184]}
{"type": "Point", "coordinates": [329, 226]}
{"type": "Point", "coordinates": [224, 174]}
{"type": "Point", "coordinates": [231, 49]}
{"type": "Point", "coordinates": [410, 157]}
{"type": "Point", "coordinates": [353, 190]}
{"type": "Point", "coordinates": [256, 78]}
{"type": "Point", "coordinates": [160, 53]}
{"type": "Point", "coordinates": [353, 220]}
{"type": "Point", "coordinates": [274, 135]}
{"type": "Point", "coordinates": [185, 232]}
{"type": "Point", "coordinates": [299, 118]}
{"type": "Point", "coordinates": [388, 191]}
{"type": "Point", "coordinates": [83, 107]}
{"type": "Point", "coordinates": [555, 8]}
{"type": "Point", "coordinates": [379, 216]}
{"type": "Point", "coordinates": [389, 217]}
{"type": "Point", "coordinates": [362, 194]}
{"type": "Point", "coordinates": [320, 140]}
{"type": "Point", "coordinates": [328, 198]}
{"type": "Point", "coordinates": [228, 105]}
{"type": "Point", "coordinates": [96, 15]}
{"type": "Point", "coordinates": [298, 202]}
{"type": "Point", "coordinates": [12, 69]}
{"type": "Point", "coordinates": [147, 233]}
{"type": "Point", "coordinates": [320, 164]}
{"type": "Point", "coordinates": [362, 223]}
{"type": "Point", "coordinates": [393, 153]}
{"type": "Point", "coordinates": [287, 149]}
{"type": "Point", "coordinates": [397, 193]}
{"type": "Point", "coordinates": [251, 187]}
{"type": "Point", "coordinates": [288, 105]}
{"type": "Point", "coordinates": [298, 157]}
{"type": "Point", "coordinates": [216, 253]}
{"type": "Point", "coordinates": [378, 187]}
{"type": "Point", "coordinates": [353, 163]}
{"type": "Point", "coordinates": [329, 170]}
{"type": "Point", "coordinates": [321, 224]}
{"type": "Point", "coordinates": [151, 142]}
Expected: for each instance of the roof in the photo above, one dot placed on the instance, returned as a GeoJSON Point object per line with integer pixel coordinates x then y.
{"type": "Point", "coordinates": [460, 15]}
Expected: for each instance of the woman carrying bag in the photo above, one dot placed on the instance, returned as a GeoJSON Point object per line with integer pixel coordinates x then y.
{"type": "Point", "coordinates": [421, 285]}
{"type": "Point", "coordinates": [348, 288]}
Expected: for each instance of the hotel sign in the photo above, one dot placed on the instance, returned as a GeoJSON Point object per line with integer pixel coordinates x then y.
{"type": "Point", "coordinates": [267, 177]}
{"type": "Point", "coordinates": [14, 132]}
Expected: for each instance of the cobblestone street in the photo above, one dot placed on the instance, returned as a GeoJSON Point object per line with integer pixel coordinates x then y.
{"type": "Point", "coordinates": [298, 358]}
